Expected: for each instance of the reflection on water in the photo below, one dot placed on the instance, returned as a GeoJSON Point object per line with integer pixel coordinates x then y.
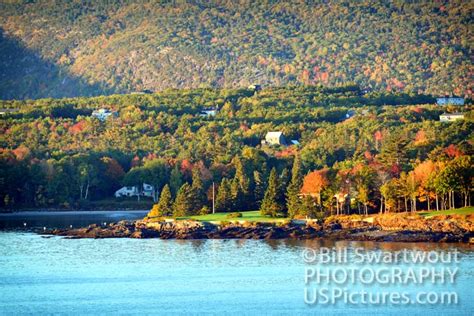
{"type": "Point", "coordinates": [64, 219]}
{"type": "Point", "coordinates": [103, 276]}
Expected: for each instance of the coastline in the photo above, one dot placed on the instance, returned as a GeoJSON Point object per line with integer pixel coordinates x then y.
{"type": "Point", "coordinates": [390, 228]}
{"type": "Point", "coordinates": [52, 211]}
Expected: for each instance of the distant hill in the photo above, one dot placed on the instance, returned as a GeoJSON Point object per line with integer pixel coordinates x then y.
{"type": "Point", "coordinates": [74, 48]}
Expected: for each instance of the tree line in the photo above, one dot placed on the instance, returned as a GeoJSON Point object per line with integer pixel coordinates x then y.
{"type": "Point", "coordinates": [356, 152]}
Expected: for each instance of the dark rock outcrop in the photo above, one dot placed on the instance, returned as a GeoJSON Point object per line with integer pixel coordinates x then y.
{"type": "Point", "coordinates": [338, 228]}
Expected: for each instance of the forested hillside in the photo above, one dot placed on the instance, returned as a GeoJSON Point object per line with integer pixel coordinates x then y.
{"type": "Point", "coordinates": [368, 150]}
{"type": "Point", "coordinates": [79, 48]}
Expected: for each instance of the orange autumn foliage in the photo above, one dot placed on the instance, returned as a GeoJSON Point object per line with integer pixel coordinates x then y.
{"type": "Point", "coordinates": [315, 182]}
{"type": "Point", "coordinates": [135, 162]}
{"type": "Point", "coordinates": [420, 138]}
{"type": "Point", "coordinates": [21, 152]}
{"type": "Point", "coordinates": [423, 171]}
{"type": "Point", "coordinates": [378, 136]}
{"type": "Point", "coordinates": [186, 167]}
{"type": "Point", "coordinates": [78, 127]}
{"type": "Point", "coordinates": [453, 151]}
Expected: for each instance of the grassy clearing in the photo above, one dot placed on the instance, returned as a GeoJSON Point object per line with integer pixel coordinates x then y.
{"type": "Point", "coordinates": [458, 211]}
{"type": "Point", "coordinates": [250, 216]}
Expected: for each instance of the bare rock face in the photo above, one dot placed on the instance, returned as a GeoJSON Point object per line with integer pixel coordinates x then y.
{"type": "Point", "coordinates": [387, 227]}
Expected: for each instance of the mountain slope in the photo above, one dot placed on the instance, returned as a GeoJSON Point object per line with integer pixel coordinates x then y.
{"type": "Point", "coordinates": [124, 46]}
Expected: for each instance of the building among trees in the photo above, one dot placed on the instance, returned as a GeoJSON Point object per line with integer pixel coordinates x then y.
{"type": "Point", "coordinates": [128, 191]}
{"type": "Point", "coordinates": [103, 114]}
{"type": "Point", "coordinates": [275, 138]}
{"type": "Point", "coordinates": [450, 101]}
{"type": "Point", "coordinates": [451, 117]}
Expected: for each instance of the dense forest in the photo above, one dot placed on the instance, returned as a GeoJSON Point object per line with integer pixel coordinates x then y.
{"type": "Point", "coordinates": [85, 48]}
{"type": "Point", "coordinates": [356, 151]}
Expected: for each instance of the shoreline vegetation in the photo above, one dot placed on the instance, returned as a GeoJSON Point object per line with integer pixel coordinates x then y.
{"type": "Point", "coordinates": [448, 226]}
{"type": "Point", "coordinates": [309, 151]}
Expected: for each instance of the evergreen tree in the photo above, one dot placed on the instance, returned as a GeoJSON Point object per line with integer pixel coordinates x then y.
{"type": "Point", "coordinates": [259, 190]}
{"type": "Point", "coordinates": [237, 196]}
{"type": "Point", "coordinates": [176, 180]}
{"type": "Point", "coordinates": [241, 175]}
{"type": "Point", "coordinates": [394, 149]}
{"type": "Point", "coordinates": [293, 203]}
{"type": "Point", "coordinates": [164, 207]}
{"type": "Point", "coordinates": [282, 187]}
{"type": "Point", "coordinates": [183, 205]}
{"type": "Point", "coordinates": [270, 204]}
{"type": "Point", "coordinates": [309, 208]}
{"type": "Point", "coordinates": [165, 204]}
{"type": "Point", "coordinates": [224, 196]}
{"type": "Point", "coordinates": [197, 191]}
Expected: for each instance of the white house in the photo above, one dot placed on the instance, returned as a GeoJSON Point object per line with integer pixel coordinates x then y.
{"type": "Point", "coordinates": [451, 117]}
{"type": "Point", "coordinates": [450, 101]}
{"type": "Point", "coordinates": [148, 190]}
{"type": "Point", "coordinates": [126, 191]}
{"type": "Point", "coordinates": [208, 112]}
{"type": "Point", "coordinates": [274, 138]}
{"type": "Point", "coordinates": [103, 114]}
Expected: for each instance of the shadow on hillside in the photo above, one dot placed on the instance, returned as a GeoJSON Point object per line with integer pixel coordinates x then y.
{"type": "Point", "coordinates": [25, 75]}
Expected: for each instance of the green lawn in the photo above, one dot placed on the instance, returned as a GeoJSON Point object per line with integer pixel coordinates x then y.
{"type": "Point", "coordinates": [459, 211]}
{"type": "Point", "coordinates": [250, 216]}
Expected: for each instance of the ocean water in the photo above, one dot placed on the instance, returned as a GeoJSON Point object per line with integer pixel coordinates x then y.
{"type": "Point", "coordinates": [55, 275]}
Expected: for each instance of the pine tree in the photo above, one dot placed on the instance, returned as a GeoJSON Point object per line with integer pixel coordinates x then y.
{"type": "Point", "coordinates": [237, 196]}
{"type": "Point", "coordinates": [164, 207]}
{"type": "Point", "coordinates": [259, 191]}
{"type": "Point", "coordinates": [308, 208]}
{"type": "Point", "coordinates": [165, 204]}
{"type": "Point", "coordinates": [240, 186]}
{"type": "Point", "coordinates": [241, 175]}
{"type": "Point", "coordinates": [270, 205]}
{"type": "Point", "coordinates": [293, 203]}
{"type": "Point", "coordinates": [197, 191]}
{"type": "Point", "coordinates": [183, 205]}
{"type": "Point", "coordinates": [176, 180]}
{"type": "Point", "coordinates": [223, 197]}
{"type": "Point", "coordinates": [282, 187]}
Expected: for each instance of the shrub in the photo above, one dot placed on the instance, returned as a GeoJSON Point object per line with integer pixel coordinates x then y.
{"type": "Point", "coordinates": [234, 215]}
{"type": "Point", "coordinates": [204, 211]}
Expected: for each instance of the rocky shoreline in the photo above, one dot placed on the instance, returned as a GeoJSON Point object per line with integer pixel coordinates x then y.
{"type": "Point", "coordinates": [390, 228]}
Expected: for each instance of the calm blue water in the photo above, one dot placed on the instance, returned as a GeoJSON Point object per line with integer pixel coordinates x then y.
{"type": "Point", "coordinates": [108, 276]}
{"type": "Point", "coordinates": [64, 219]}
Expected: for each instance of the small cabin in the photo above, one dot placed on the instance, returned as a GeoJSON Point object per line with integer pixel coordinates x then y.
{"type": "Point", "coordinates": [451, 117]}
{"type": "Point", "coordinates": [208, 112]}
{"type": "Point", "coordinates": [103, 114]}
{"type": "Point", "coordinates": [450, 101]}
{"type": "Point", "coordinates": [274, 138]}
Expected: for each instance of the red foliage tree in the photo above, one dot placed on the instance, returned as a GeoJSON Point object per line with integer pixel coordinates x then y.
{"type": "Point", "coordinates": [315, 182]}
{"type": "Point", "coordinates": [453, 151]}
{"type": "Point", "coordinates": [21, 152]}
